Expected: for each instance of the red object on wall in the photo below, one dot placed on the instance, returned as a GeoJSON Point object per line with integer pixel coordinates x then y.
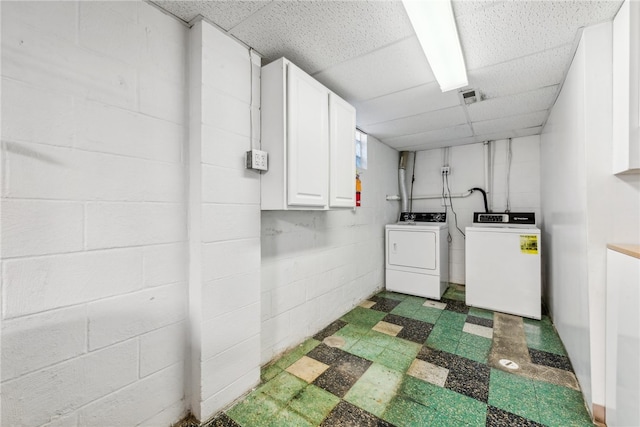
{"type": "Point", "coordinates": [358, 189]}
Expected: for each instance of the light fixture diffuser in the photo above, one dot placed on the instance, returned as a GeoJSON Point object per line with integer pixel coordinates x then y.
{"type": "Point", "coordinates": [435, 26]}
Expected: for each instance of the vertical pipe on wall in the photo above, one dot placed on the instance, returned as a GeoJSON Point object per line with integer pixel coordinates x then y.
{"type": "Point", "coordinates": [402, 181]}
{"type": "Point", "coordinates": [487, 160]}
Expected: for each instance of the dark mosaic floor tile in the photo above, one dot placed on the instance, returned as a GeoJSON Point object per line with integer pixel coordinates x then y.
{"type": "Point", "coordinates": [466, 376]}
{"type": "Point", "coordinates": [343, 374]}
{"type": "Point", "coordinates": [479, 321]}
{"type": "Point", "coordinates": [456, 306]}
{"type": "Point", "coordinates": [221, 420]}
{"type": "Point", "coordinates": [540, 357]}
{"type": "Point", "coordinates": [384, 304]}
{"type": "Point", "coordinates": [412, 330]}
{"type": "Point", "coordinates": [468, 387]}
{"type": "Point", "coordinates": [330, 330]}
{"type": "Point", "coordinates": [325, 354]}
{"type": "Point", "coordinates": [348, 415]}
{"type": "Point", "coordinates": [499, 418]}
{"type": "Point", "coordinates": [437, 357]}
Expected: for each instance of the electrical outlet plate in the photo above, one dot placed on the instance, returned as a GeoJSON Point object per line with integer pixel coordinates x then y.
{"type": "Point", "coordinates": [258, 160]}
{"type": "Point", "coordinates": [445, 170]}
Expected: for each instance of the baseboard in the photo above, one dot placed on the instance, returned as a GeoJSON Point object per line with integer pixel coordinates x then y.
{"type": "Point", "coordinates": [599, 415]}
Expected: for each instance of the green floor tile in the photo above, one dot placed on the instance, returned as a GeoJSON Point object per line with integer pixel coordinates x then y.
{"type": "Point", "coordinates": [255, 411]}
{"type": "Point", "coordinates": [426, 314]}
{"type": "Point", "coordinates": [472, 352]}
{"type": "Point", "coordinates": [363, 317]}
{"type": "Point", "coordinates": [452, 405]}
{"type": "Point", "coordinates": [392, 295]}
{"type": "Point", "coordinates": [375, 389]}
{"type": "Point", "coordinates": [379, 339]}
{"type": "Point", "coordinates": [551, 394]}
{"type": "Point", "coordinates": [442, 343]}
{"type": "Point", "coordinates": [454, 294]}
{"type": "Point", "coordinates": [513, 382]}
{"type": "Point", "coordinates": [293, 355]}
{"type": "Point", "coordinates": [366, 350]}
{"type": "Point", "coordinates": [406, 308]}
{"type": "Point", "coordinates": [480, 312]}
{"type": "Point", "coordinates": [409, 348]}
{"type": "Point", "coordinates": [269, 372]}
{"type": "Point", "coordinates": [403, 412]}
{"type": "Point", "coordinates": [351, 335]}
{"type": "Point", "coordinates": [314, 403]}
{"type": "Point", "coordinates": [475, 340]}
{"type": "Point", "coordinates": [283, 387]}
{"type": "Point", "coordinates": [418, 390]}
{"type": "Point", "coordinates": [452, 320]}
{"type": "Point", "coordinates": [443, 331]}
{"type": "Point", "coordinates": [394, 360]}
{"type": "Point", "coordinates": [289, 418]}
{"type": "Point", "coordinates": [517, 400]}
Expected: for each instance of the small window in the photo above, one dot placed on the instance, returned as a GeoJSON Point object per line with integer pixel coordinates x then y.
{"type": "Point", "coordinates": [361, 150]}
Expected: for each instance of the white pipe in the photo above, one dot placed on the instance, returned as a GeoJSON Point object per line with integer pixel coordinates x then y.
{"type": "Point", "coordinates": [486, 169]}
{"type": "Point", "coordinates": [432, 196]}
{"type": "Point", "coordinates": [402, 180]}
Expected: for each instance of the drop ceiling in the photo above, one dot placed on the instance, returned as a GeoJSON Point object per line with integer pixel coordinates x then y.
{"type": "Point", "coordinates": [517, 54]}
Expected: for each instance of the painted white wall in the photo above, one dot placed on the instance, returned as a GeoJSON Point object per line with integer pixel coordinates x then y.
{"type": "Point", "coordinates": [584, 207]}
{"type": "Point", "coordinates": [467, 171]}
{"type": "Point", "coordinates": [93, 214]}
{"type": "Point", "coordinates": [318, 265]}
{"type": "Point", "coordinates": [224, 209]}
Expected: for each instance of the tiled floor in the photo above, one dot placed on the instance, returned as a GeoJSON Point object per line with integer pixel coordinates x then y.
{"type": "Point", "coordinates": [399, 360]}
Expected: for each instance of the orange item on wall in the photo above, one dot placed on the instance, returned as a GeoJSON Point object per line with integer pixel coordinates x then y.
{"type": "Point", "coordinates": [358, 189]}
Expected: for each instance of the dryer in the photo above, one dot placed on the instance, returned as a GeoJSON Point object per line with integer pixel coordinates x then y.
{"type": "Point", "coordinates": [417, 255]}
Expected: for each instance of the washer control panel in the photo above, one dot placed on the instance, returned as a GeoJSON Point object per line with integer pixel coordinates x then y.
{"type": "Point", "coordinates": [505, 219]}
{"type": "Point", "coordinates": [423, 217]}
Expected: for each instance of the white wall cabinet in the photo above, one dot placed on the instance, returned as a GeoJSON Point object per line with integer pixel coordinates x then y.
{"type": "Point", "coordinates": [309, 133]}
{"type": "Point", "coordinates": [342, 150]}
{"type": "Point", "coordinates": [626, 88]}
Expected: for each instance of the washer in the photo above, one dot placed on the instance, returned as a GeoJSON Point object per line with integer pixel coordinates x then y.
{"type": "Point", "coordinates": [502, 264]}
{"type": "Point", "coordinates": [417, 255]}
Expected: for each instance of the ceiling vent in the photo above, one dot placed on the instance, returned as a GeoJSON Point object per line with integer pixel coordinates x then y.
{"type": "Point", "coordinates": [471, 96]}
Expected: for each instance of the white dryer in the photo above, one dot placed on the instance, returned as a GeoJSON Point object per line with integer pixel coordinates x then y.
{"type": "Point", "coordinates": [417, 256]}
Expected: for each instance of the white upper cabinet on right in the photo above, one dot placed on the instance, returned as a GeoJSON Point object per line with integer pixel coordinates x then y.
{"type": "Point", "coordinates": [342, 153]}
{"type": "Point", "coordinates": [626, 89]}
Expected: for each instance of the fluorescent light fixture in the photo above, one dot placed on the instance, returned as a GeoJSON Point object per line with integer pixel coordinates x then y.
{"type": "Point", "coordinates": [435, 26]}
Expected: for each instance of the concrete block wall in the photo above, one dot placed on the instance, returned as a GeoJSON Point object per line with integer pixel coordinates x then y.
{"type": "Point", "coordinates": [224, 220]}
{"type": "Point", "coordinates": [318, 265]}
{"type": "Point", "coordinates": [467, 171]}
{"type": "Point", "coordinates": [94, 278]}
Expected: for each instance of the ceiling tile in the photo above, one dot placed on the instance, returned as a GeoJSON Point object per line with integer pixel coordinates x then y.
{"type": "Point", "coordinates": [511, 29]}
{"type": "Point", "coordinates": [407, 102]}
{"type": "Point", "coordinates": [316, 35]}
{"type": "Point", "coordinates": [225, 14]}
{"type": "Point", "coordinates": [523, 74]}
{"type": "Point", "coordinates": [521, 103]}
{"type": "Point", "coordinates": [511, 123]}
{"type": "Point", "coordinates": [426, 138]}
{"type": "Point", "coordinates": [419, 123]}
{"type": "Point", "coordinates": [387, 70]}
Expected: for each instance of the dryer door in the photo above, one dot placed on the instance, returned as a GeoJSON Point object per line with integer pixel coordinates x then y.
{"type": "Point", "coordinates": [412, 248]}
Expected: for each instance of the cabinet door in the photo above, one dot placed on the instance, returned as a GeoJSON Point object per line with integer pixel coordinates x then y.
{"type": "Point", "coordinates": [342, 156]}
{"type": "Point", "coordinates": [307, 140]}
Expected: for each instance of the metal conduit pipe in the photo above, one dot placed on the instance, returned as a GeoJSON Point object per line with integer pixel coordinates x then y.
{"type": "Point", "coordinates": [402, 172]}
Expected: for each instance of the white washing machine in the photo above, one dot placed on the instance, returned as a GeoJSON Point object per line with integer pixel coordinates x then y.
{"type": "Point", "coordinates": [417, 255]}
{"type": "Point", "coordinates": [502, 265]}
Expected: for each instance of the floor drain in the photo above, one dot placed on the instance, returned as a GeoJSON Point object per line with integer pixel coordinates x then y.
{"type": "Point", "coordinates": [509, 364]}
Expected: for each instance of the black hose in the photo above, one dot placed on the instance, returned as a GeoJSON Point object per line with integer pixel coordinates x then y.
{"type": "Point", "coordinates": [484, 195]}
